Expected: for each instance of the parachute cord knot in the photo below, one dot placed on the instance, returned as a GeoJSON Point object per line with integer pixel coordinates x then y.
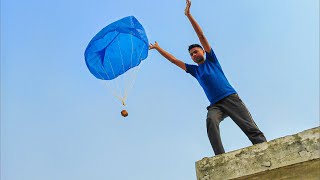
{"type": "Point", "coordinates": [123, 101]}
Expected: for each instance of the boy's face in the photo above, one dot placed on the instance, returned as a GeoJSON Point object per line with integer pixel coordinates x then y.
{"type": "Point", "coordinates": [197, 55]}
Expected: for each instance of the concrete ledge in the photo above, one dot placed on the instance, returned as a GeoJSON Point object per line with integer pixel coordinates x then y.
{"type": "Point", "coordinates": [291, 157]}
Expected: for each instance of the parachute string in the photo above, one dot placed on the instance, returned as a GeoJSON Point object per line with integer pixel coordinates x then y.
{"type": "Point", "coordinates": [129, 80]}
{"type": "Point", "coordinates": [134, 74]}
{"type": "Point", "coordinates": [127, 83]}
{"type": "Point", "coordinates": [131, 49]}
{"type": "Point", "coordinates": [114, 92]}
{"type": "Point", "coordinates": [111, 68]}
{"type": "Point", "coordinates": [111, 89]}
{"type": "Point", "coordinates": [115, 86]}
{"type": "Point", "coordinates": [121, 56]}
{"type": "Point", "coordinates": [108, 85]}
{"type": "Point", "coordinates": [140, 53]}
{"type": "Point", "coordinates": [114, 76]}
{"type": "Point", "coordinates": [123, 71]}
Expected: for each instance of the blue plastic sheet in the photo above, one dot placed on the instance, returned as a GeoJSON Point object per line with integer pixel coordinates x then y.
{"type": "Point", "coordinates": [117, 48]}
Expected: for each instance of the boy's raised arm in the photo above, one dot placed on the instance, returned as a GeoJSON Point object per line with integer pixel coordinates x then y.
{"type": "Point", "coordinates": [203, 40]}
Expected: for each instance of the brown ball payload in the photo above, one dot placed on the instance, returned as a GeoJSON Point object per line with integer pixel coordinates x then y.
{"type": "Point", "coordinates": [124, 113]}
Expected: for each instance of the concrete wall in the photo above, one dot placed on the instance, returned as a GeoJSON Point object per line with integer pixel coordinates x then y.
{"type": "Point", "coordinates": [291, 157]}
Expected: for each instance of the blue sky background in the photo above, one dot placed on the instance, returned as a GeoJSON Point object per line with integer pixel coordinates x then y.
{"type": "Point", "coordinates": [59, 122]}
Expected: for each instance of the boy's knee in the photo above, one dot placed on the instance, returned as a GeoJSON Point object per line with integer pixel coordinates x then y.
{"type": "Point", "coordinates": [213, 120]}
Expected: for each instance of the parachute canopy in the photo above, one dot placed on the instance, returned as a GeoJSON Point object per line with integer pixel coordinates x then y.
{"type": "Point", "coordinates": [117, 48]}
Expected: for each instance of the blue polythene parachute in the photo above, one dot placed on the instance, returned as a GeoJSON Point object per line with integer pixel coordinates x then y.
{"type": "Point", "coordinates": [117, 48]}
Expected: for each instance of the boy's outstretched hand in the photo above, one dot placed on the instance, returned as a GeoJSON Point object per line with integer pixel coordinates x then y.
{"type": "Point", "coordinates": [153, 46]}
{"type": "Point", "coordinates": [187, 10]}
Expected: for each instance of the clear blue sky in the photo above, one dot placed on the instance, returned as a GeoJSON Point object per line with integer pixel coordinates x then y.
{"type": "Point", "coordinates": [58, 122]}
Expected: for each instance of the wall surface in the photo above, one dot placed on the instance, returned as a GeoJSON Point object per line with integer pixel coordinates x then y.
{"type": "Point", "coordinates": [291, 157]}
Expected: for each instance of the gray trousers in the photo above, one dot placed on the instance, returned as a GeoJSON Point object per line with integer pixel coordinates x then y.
{"type": "Point", "coordinates": [233, 107]}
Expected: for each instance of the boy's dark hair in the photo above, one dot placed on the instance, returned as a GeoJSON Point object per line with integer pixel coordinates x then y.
{"type": "Point", "coordinates": [194, 45]}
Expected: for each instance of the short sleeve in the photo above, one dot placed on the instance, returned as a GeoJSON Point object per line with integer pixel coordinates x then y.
{"type": "Point", "coordinates": [211, 56]}
{"type": "Point", "coordinates": [191, 69]}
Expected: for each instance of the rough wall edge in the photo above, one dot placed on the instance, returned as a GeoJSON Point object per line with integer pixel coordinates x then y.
{"type": "Point", "coordinates": [296, 149]}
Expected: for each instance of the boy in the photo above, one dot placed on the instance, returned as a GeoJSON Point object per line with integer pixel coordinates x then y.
{"type": "Point", "coordinates": [224, 100]}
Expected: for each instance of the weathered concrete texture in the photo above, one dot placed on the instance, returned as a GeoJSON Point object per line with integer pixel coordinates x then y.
{"type": "Point", "coordinates": [291, 157]}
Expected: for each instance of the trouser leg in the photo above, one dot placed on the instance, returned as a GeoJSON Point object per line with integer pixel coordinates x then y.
{"type": "Point", "coordinates": [214, 117]}
{"type": "Point", "coordinates": [237, 111]}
